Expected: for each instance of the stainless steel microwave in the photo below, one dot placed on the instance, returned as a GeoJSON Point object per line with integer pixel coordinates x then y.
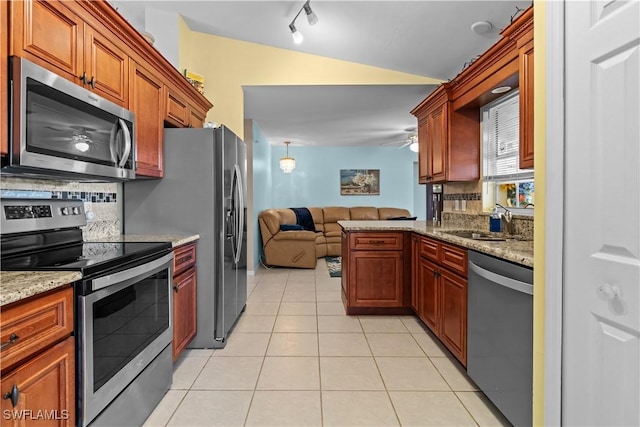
{"type": "Point", "coordinates": [59, 129]}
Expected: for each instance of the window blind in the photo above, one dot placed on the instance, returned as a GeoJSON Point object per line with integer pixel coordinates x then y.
{"type": "Point", "coordinates": [501, 140]}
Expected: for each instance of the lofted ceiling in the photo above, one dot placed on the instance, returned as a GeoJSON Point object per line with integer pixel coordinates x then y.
{"type": "Point", "coordinates": [426, 38]}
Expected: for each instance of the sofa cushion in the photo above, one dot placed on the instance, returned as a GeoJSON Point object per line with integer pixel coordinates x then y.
{"type": "Point", "coordinates": [318, 218]}
{"type": "Point", "coordinates": [363, 213]}
{"type": "Point", "coordinates": [335, 214]}
{"type": "Point", "coordinates": [386, 213]}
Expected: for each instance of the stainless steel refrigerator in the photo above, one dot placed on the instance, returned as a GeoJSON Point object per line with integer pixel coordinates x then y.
{"type": "Point", "coordinates": [203, 191]}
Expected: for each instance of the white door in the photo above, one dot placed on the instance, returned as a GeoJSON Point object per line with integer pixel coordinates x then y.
{"type": "Point", "coordinates": [601, 350]}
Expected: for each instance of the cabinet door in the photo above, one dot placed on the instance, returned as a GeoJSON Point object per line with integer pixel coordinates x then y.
{"type": "Point", "coordinates": [453, 329]}
{"type": "Point", "coordinates": [526, 106]}
{"type": "Point", "coordinates": [376, 279]}
{"type": "Point", "coordinates": [4, 79]}
{"type": "Point", "coordinates": [197, 117]}
{"type": "Point", "coordinates": [176, 109]}
{"type": "Point", "coordinates": [45, 388]}
{"type": "Point", "coordinates": [429, 301]}
{"type": "Point", "coordinates": [184, 310]}
{"type": "Point", "coordinates": [106, 67]}
{"type": "Point", "coordinates": [344, 279]}
{"type": "Point", "coordinates": [49, 34]}
{"type": "Point", "coordinates": [146, 101]}
{"type": "Point", "coordinates": [424, 171]}
{"type": "Point", "coordinates": [437, 143]}
{"type": "Point", "coordinates": [415, 273]}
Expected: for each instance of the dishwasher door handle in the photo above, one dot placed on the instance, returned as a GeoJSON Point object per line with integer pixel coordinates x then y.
{"type": "Point", "coordinates": [507, 282]}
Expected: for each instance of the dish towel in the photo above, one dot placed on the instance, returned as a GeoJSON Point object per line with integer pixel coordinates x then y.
{"type": "Point", "coordinates": [304, 218]}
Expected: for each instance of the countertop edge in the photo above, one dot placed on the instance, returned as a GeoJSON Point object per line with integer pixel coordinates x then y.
{"type": "Point", "coordinates": [18, 285]}
{"type": "Point", "coordinates": [503, 250]}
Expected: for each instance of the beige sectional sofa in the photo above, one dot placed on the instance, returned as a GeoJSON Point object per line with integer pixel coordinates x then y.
{"type": "Point", "coordinates": [301, 248]}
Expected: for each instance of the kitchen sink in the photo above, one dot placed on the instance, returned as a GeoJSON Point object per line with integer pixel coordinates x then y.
{"type": "Point", "coordinates": [476, 235]}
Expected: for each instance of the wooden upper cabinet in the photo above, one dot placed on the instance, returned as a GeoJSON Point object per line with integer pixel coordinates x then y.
{"type": "Point", "coordinates": [526, 105]}
{"type": "Point", "coordinates": [197, 117]}
{"type": "Point", "coordinates": [179, 112]}
{"type": "Point", "coordinates": [176, 109]}
{"type": "Point", "coordinates": [449, 140]}
{"type": "Point", "coordinates": [49, 34]}
{"type": "Point", "coordinates": [52, 36]}
{"type": "Point", "coordinates": [106, 67]}
{"type": "Point", "coordinates": [4, 78]}
{"type": "Point", "coordinates": [146, 100]}
{"type": "Point", "coordinates": [437, 142]}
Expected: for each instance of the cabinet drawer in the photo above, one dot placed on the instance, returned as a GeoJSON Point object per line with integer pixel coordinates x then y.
{"type": "Point", "coordinates": [429, 249]}
{"type": "Point", "coordinates": [376, 241]}
{"type": "Point", "coordinates": [183, 257]}
{"type": "Point", "coordinates": [34, 325]}
{"type": "Point", "coordinates": [454, 258]}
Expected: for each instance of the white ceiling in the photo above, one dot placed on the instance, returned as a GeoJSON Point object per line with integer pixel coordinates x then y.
{"type": "Point", "coordinates": [427, 38]}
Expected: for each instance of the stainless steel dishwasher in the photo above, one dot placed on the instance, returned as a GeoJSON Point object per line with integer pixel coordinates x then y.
{"type": "Point", "coordinates": [500, 334]}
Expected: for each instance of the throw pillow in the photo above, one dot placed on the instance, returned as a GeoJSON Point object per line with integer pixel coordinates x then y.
{"type": "Point", "coordinates": [290, 227]}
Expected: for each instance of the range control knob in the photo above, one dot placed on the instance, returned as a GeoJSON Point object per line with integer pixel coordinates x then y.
{"type": "Point", "coordinates": [76, 210]}
{"type": "Point", "coordinates": [64, 211]}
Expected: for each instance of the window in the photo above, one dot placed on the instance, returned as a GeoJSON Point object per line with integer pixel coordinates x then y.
{"type": "Point", "coordinates": [503, 181]}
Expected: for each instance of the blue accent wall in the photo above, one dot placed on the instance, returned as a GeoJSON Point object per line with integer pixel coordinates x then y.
{"type": "Point", "coordinates": [261, 185]}
{"type": "Point", "coordinates": [316, 178]}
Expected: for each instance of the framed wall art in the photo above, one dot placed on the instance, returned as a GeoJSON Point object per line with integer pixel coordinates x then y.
{"type": "Point", "coordinates": [359, 182]}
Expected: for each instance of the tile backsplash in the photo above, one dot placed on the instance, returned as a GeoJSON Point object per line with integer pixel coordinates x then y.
{"type": "Point", "coordinates": [99, 198]}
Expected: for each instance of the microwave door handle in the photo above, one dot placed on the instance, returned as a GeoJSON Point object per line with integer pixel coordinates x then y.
{"type": "Point", "coordinates": [113, 142]}
{"type": "Point", "coordinates": [127, 147]}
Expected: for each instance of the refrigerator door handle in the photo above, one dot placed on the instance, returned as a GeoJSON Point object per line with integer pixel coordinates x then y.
{"type": "Point", "coordinates": [240, 214]}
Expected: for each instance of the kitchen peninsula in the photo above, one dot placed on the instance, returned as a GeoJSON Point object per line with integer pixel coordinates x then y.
{"type": "Point", "coordinates": [404, 267]}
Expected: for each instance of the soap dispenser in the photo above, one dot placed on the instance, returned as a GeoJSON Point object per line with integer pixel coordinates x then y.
{"type": "Point", "coordinates": [495, 224]}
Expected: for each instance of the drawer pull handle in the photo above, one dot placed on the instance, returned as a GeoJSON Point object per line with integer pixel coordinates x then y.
{"type": "Point", "coordinates": [376, 242]}
{"type": "Point", "coordinates": [12, 340]}
{"type": "Point", "coordinates": [184, 259]}
{"type": "Point", "coordinates": [14, 395]}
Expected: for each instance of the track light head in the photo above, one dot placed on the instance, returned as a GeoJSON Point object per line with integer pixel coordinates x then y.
{"type": "Point", "coordinates": [297, 35]}
{"type": "Point", "coordinates": [312, 18]}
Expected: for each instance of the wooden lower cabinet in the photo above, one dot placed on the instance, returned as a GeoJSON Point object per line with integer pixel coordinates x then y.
{"type": "Point", "coordinates": [37, 381]}
{"type": "Point", "coordinates": [428, 294]}
{"type": "Point", "coordinates": [375, 276]}
{"type": "Point", "coordinates": [184, 297]}
{"type": "Point", "coordinates": [453, 319]}
{"type": "Point", "coordinates": [377, 279]}
{"type": "Point", "coordinates": [184, 310]}
{"type": "Point", "coordinates": [441, 294]}
{"type": "Point", "coordinates": [43, 389]}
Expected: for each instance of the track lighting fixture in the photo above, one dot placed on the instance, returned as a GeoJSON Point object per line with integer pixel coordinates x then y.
{"type": "Point", "coordinates": [312, 18]}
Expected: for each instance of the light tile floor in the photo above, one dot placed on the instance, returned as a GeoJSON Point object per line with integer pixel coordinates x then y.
{"type": "Point", "coordinates": [295, 359]}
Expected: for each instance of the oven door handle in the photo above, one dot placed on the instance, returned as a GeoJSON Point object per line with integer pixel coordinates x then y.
{"type": "Point", "coordinates": [132, 273]}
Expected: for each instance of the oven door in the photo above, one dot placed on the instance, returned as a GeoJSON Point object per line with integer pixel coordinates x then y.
{"type": "Point", "coordinates": [125, 323]}
{"type": "Point", "coordinates": [61, 129]}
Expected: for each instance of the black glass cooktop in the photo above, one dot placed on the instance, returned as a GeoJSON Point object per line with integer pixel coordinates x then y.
{"type": "Point", "coordinates": [88, 258]}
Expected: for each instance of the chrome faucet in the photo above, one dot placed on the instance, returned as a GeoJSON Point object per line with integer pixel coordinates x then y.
{"type": "Point", "coordinates": [507, 219]}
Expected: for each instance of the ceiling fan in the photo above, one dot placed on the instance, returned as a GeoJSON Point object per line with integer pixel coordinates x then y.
{"type": "Point", "coordinates": [411, 140]}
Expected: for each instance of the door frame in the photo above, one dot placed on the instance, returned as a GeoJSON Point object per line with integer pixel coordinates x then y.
{"type": "Point", "coordinates": [553, 212]}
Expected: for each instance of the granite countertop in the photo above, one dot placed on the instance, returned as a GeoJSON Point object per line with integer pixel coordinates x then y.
{"type": "Point", "coordinates": [175, 239]}
{"type": "Point", "coordinates": [517, 251]}
{"type": "Point", "coordinates": [17, 285]}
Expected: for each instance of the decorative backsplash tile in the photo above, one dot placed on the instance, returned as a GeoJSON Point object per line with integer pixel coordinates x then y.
{"type": "Point", "coordinates": [100, 199]}
{"type": "Point", "coordinates": [463, 196]}
{"type": "Point", "coordinates": [86, 196]}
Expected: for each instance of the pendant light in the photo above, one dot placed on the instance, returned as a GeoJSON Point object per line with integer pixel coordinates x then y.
{"type": "Point", "coordinates": [287, 164]}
